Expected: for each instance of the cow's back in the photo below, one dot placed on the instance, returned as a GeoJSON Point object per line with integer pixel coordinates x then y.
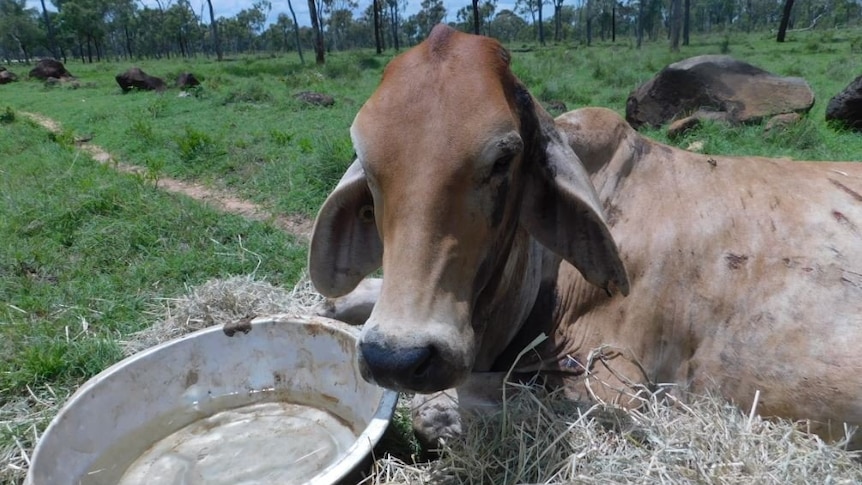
{"type": "Point", "coordinates": [746, 272]}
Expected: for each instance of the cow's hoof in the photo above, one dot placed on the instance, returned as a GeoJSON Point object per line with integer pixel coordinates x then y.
{"type": "Point", "coordinates": [436, 418]}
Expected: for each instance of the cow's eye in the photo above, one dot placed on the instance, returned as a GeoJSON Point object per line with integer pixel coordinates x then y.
{"type": "Point", "coordinates": [366, 213]}
{"type": "Point", "coordinates": [501, 165]}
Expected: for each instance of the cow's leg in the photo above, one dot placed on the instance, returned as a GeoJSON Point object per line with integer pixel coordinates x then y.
{"type": "Point", "coordinates": [355, 307]}
{"type": "Point", "coordinates": [438, 416]}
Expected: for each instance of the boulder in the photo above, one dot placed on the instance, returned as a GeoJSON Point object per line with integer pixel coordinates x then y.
{"type": "Point", "coordinates": [742, 92]}
{"type": "Point", "coordinates": [187, 80]}
{"type": "Point", "coordinates": [135, 78]}
{"type": "Point", "coordinates": [46, 68]}
{"type": "Point", "coordinates": [317, 99]}
{"type": "Point", "coordinates": [845, 108]}
{"type": "Point", "coordinates": [781, 122]}
{"type": "Point", "coordinates": [7, 76]}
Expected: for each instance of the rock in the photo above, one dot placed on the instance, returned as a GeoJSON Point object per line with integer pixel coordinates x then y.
{"type": "Point", "coordinates": [6, 76]}
{"type": "Point", "coordinates": [845, 108]}
{"type": "Point", "coordinates": [135, 78]}
{"type": "Point", "coordinates": [743, 92]}
{"type": "Point", "coordinates": [781, 122]}
{"type": "Point", "coordinates": [46, 68]}
{"type": "Point", "coordinates": [681, 126]}
{"type": "Point", "coordinates": [316, 99]}
{"type": "Point", "coordinates": [187, 80]}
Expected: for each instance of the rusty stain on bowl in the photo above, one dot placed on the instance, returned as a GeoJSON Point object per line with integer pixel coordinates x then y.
{"type": "Point", "coordinates": [283, 403]}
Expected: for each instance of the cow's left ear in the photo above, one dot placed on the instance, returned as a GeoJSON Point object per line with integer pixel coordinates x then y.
{"type": "Point", "coordinates": [562, 211]}
{"type": "Point", "coordinates": [345, 245]}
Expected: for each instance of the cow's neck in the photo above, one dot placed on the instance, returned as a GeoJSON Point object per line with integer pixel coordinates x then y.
{"type": "Point", "coordinates": [508, 299]}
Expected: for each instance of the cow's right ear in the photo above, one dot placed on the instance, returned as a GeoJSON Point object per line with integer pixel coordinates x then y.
{"type": "Point", "coordinates": [345, 245]}
{"type": "Point", "coordinates": [562, 211]}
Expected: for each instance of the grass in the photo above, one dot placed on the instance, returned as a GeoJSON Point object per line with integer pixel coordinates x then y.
{"type": "Point", "coordinates": [86, 253]}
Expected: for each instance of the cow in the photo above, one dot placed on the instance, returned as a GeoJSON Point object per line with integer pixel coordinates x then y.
{"type": "Point", "coordinates": [494, 223]}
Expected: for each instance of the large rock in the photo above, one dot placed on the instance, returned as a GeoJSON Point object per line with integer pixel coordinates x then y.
{"type": "Point", "coordinates": [7, 76]}
{"type": "Point", "coordinates": [46, 68]}
{"type": "Point", "coordinates": [135, 78]}
{"type": "Point", "coordinates": [846, 106]}
{"type": "Point", "coordinates": [187, 80]}
{"type": "Point", "coordinates": [742, 92]}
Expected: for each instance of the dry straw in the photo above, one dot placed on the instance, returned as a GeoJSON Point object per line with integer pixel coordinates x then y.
{"type": "Point", "coordinates": [539, 437]}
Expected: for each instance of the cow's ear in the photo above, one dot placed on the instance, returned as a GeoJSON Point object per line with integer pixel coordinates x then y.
{"type": "Point", "coordinates": [562, 211]}
{"type": "Point", "coordinates": [345, 245]}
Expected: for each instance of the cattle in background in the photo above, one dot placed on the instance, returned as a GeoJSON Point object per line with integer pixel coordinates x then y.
{"type": "Point", "coordinates": [744, 274]}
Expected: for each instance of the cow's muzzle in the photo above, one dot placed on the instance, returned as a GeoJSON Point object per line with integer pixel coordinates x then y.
{"type": "Point", "coordinates": [417, 366]}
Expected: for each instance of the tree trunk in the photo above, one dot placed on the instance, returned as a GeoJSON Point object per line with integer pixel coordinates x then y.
{"type": "Point", "coordinates": [296, 31]}
{"type": "Point", "coordinates": [377, 41]}
{"type": "Point", "coordinates": [675, 24]}
{"type": "Point", "coordinates": [541, 24]}
{"type": "Point", "coordinates": [476, 17]}
{"type": "Point", "coordinates": [128, 41]}
{"type": "Point", "coordinates": [558, 22]}
{"type": "Point", "coordinates": [589, 23]}
{"type": "Point", "coordinates": [686, 20]}
{"type": "Point", "coordinates": [614, 22]}
{"type": "Point", "coordinates": [214, 27]}
{"type": "Point", "coordinates": [640, 26]}
{"type": "Point", "coordinates": [393, 20]}
{"type": "Point", "coordinates": [318, 35]}
{"type": "Point", "coordinates": [52, 43]}
{"type": "Point", "coordinates": [785, 18]}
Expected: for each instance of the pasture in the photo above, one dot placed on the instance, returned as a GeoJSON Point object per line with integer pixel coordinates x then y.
{"type": "Point", "coordinates": [89, 257]}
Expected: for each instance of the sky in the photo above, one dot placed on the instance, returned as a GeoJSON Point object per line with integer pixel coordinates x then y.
{"type": "Point", "coordinates": [229, 8]}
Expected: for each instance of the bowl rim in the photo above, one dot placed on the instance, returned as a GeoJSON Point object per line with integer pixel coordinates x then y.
{"type": "Point", "coordinates": [352, 457]}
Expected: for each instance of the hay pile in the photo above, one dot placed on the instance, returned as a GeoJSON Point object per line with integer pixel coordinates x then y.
{"type": "Point", "coordinates": [542, 438]}
{"type": "Point", "coordinates": [538, 438]}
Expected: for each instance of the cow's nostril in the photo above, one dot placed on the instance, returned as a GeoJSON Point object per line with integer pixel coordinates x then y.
{"type": "Point", "coordinates": [399, 368]}
{"type": "Point", "coordinates": [423, 366]}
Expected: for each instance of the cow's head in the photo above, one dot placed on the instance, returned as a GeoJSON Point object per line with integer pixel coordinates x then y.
{"type": "Point", "coordinates": [453, 156]}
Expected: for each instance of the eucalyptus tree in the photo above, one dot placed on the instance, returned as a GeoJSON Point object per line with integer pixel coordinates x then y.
{"type": "Point", "coordinates": [509, 26]}
{"type": "Point", "coordinates": [86, 20]}
{"type": "Point", "coordinates": [340, 19]}
{"type": "Point", "coordinates": [20, 32]}
{"type": "Point", "coordinates": [419, 25]}
{"type": "Point", "coordinates": [318, 32]}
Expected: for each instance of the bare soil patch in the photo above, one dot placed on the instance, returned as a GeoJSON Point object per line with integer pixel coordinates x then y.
{"type": "Point", "coordinates": [223, 200]}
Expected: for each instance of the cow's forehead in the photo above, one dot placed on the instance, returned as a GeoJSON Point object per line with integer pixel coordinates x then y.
{"type": "Point", "coordinates": [454, 89]}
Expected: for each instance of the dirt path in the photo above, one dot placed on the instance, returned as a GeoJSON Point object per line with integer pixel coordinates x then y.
{"type": "Point", "coordinates": [222, 200]}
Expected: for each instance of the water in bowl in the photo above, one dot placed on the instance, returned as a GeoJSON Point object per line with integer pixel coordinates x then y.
{"type": "Point", "coordinates": [253, 438]}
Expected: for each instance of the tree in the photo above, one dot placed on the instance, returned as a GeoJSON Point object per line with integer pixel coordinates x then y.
{"type": "Point", "coordinates": [419, 25]}
{"type": "Point", "coordinates": [19, 28]}
{"type": "Point", "coordinates": [507, 26]}
{"type": "Point", "coordinates": [295, 30]}
{"type": "Point", "coordinates": [318, 34]}
{"type": "Point", "coordinates": [675, 24]}
{"type": "Point", "coordinates": [785, 19]}
{"type": "Point", "coordinates": [378, 36]}
{"type": "Point", "coordinates": [214, 28]}
{"type": "Point", "coordinates": [558, 20]}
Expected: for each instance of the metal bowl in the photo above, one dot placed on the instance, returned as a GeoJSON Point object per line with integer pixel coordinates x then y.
{"type": "Point", "coordinates": [273, 400]}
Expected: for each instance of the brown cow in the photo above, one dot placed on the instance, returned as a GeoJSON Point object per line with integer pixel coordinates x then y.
{"type": "Point", "coordinates": [746, 273]}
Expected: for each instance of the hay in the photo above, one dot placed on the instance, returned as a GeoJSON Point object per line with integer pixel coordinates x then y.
{"type": "Point", "coordinates": [217, 302]}
{"type": "Point", "coordinates": [544, 438]}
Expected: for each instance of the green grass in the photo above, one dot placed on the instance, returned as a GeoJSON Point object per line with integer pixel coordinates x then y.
{"type": "Point", "coordinates": [243, 128]}
{"type": "Point", "coordinates": [87, 251]}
